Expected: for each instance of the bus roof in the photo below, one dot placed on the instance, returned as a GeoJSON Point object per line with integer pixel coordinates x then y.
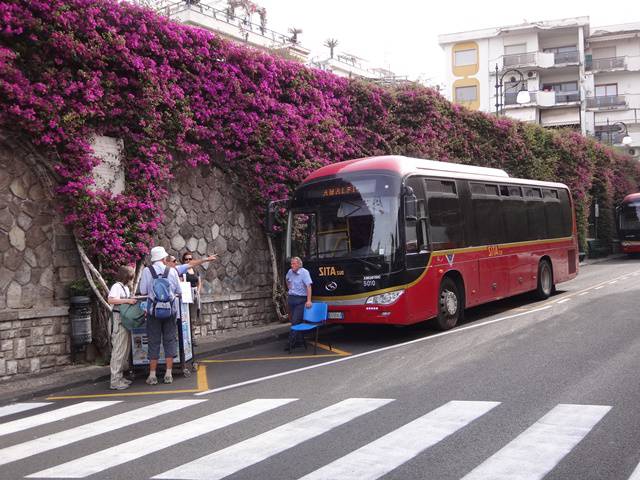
{"type": "Point", "coordinates": [405, 165]}
{"type": "Point", "coordinates": [632, 197]}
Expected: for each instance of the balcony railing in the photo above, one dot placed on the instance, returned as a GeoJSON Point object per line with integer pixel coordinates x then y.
{"type": "Point", "coordinates": [606, 63]}
{"type": "Point", "coordinates": [510, 98]}
{"type": "Point", "coordinates": [566, 57]}
{"type": "Point", "coordinates": [518, 59]}
{"type": "Point", "coordinates": [566, 97]}
{"type": "Point", "coordinates": [606, 101]}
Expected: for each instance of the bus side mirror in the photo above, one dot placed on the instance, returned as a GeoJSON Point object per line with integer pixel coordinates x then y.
{"type": "Point", "coordinates": [410, 205]}
{"type": "Point", "coordinates": [272, 214]}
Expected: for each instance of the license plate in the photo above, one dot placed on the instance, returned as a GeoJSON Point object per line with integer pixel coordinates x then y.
{"type": "Point", "coordinates": [336, 315]}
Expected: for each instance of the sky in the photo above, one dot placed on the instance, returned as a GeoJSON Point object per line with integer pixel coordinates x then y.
{"type": "Point", "coordinates": [403, 35]}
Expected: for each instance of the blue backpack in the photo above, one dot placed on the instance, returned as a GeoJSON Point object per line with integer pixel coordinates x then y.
{"type": "Point", "coordinates": [161, 306]}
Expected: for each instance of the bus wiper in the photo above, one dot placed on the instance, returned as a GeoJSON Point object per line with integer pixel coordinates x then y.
{"type": "Point", "coordinates": [377, 266]}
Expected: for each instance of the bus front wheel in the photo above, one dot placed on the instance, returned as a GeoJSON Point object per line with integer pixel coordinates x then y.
{"type": "Point", "coordinates": [449, 305]}
{"type": "Point", "coordinates": [545, 280]}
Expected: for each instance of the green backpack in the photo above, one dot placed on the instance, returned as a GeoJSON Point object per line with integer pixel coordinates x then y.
{"type": "Point", "coordinates": [131, 316]}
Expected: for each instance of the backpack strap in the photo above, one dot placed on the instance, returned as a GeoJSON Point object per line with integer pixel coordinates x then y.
{"type": "Point", "coordinates": [153, 271]}
{"type": "Point", "coordinates": [165, 274]}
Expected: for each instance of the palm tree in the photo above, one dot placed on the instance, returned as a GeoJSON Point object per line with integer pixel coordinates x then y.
{"type": "Point", "coordinates": [294, 34]}
{"type": "Point", "coordinates": [331, 43]}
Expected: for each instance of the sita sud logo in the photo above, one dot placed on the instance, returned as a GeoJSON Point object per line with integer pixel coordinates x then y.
{"type": "Point", "coordinates": [494, 250]}
{"type": "Point", "coordinates": [329, 272]}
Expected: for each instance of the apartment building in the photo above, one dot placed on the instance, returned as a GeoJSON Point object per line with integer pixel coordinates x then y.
{"type": "Point", "coordinates": [575, 76]}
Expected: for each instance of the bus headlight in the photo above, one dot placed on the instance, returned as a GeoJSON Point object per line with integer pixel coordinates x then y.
{"type": "Point", "coordinates": [385, 298]}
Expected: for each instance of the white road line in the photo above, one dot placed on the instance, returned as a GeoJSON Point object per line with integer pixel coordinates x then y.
{"type": "Point", "coordinates": [244, 454]}
{"type": "Point", "coordinates": [52, 416]}
{"type": "Point", "coordinates": [598, 288]}
{"type": "Point", "coordinates": [60, 439]}
{"type": "Point", "coordinates": [392, 450]}
{"type": "Point", "coordinates": [20, 407]}
{"type": "Point", "coordinates": [611, 283]}
{"type": "Point", "coordinates": [537, 450]}
{"type": "Point", "coordinates": [564, 300]}
{"type": "Point", "coordinates": [370, 352]}
{"type": "Point", "coordinates": [636, 474]}
{"type": "Point", "coordinates": [584, 293]}
{"type": "Point", "coordinates": [135, 449]}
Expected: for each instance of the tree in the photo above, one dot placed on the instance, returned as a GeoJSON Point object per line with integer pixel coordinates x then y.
{"type": "Point", "coordinates": [331, 43]}
{"type": "Point", "coordinates": [294, 34]}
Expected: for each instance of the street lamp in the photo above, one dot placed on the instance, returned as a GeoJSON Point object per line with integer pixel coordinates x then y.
{"type": "Point", "coordinates": [619, 127]}
{"type": "Point", "coordinates": [523, 95]}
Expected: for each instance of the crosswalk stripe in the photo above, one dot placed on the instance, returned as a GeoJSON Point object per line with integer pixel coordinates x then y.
{"type": "Point", "coordinates": [387, 453]}
{"type": "Point", "coordinates": [43, 444]}
{"type": "Point", "coordinates": [244, 454]}
{"type": "Point", "coordinates": [53, 416]}
{"type": "Point", "coordinates": [134, 449]}
{"type": "Point", "coordinates": [20, 407]}
{"type": "Point", "coordinates": [537, 450]}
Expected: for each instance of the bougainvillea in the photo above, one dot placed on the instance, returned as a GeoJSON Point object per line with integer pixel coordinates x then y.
{"type": "Point", "coordinates": [178, 95]}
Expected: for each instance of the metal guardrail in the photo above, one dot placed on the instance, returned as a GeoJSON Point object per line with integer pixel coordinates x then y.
{"type": "Point", "coordinates": [606, 63]}
{"type": "Point", "coordinates": [606, 101]}
{"type": "Point", "coordinates": [171, 9]}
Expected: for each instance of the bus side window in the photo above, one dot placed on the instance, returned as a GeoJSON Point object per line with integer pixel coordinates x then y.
{"type": "Point", "coordinates": [446, 223]}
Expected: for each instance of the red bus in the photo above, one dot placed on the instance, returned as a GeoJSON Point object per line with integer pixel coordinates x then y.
{"type": "Point", "coordinates": [629, 223]}
{"type": "Point", "coordinates": [399, 240]}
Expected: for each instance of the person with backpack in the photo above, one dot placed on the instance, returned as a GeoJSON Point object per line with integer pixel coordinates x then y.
{"type": "Point", "coordinates": [161, 284]}
{"type": "Point", "coordinates": [120, 337]}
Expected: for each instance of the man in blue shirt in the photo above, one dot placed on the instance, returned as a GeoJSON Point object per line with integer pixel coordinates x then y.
{"type": "Point", "coordinates": [299, 290]}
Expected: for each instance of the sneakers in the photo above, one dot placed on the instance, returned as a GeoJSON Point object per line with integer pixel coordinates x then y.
{"type": "Point", "coordinates": [151, 380]}
{"type": "Point", "coordinates": [119, 386]}
{"type": "Point", "coordinates": [126, 381]}
{"type": "Point", "coordinates": [168, 378]}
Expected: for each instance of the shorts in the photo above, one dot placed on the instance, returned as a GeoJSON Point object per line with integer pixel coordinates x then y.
{"type": "Point", "coordinates": [162, 330]}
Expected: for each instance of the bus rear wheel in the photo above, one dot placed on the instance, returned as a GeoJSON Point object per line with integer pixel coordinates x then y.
{"type": "Point", "coordinates": [545, 280]}
{"type": "Point", "coordinates": [449, 305]}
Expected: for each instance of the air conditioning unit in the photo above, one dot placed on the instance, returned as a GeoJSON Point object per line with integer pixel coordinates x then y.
{"type": "Point", "coordinates": [531, 74]}
{"type": "Point", "coordinates": [634, 152]}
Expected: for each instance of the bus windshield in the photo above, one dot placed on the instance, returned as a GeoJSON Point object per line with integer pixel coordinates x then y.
{"type": "Point", "coordinates": [346, 218]}
{"type": "Point", "coordinates": [630, 216]}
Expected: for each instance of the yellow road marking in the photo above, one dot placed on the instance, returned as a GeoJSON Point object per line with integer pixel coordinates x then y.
{"type": "Point", "coordinates": [335, 352]}
{"type": "Point", "coordinates": [201, 376]}
{"type": "Point", "coordinates": [332, 349]}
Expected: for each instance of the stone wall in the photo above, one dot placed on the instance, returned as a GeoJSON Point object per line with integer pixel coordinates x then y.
{"type": "Point", "coordinates": [39, 260]}
{"type": "Point", "coordinates": [204, 213]}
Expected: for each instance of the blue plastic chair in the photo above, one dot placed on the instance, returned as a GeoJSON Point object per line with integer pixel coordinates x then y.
{"type": "Point", "coordinates": [313, 318]}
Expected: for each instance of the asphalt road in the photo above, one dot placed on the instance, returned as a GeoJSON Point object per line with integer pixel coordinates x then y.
{"type": "Point", "coordinates": [522, 389]}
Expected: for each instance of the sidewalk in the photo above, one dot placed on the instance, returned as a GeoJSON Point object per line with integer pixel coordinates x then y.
{"type": "Point", "coordinates": [70, 376]}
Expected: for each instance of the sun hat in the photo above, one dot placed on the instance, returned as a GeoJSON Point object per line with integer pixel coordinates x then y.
{"type": "Point", "coordinates": [158, 253]}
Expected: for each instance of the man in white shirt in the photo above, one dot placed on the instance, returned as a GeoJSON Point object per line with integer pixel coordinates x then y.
{"type": "Point", "coordinates": [160, 329]}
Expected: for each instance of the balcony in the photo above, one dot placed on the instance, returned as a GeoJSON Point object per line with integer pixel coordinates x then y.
{"type": "Point", "coordinates": [607, 101]}
{"type": "Point", "coordinates": [613, 63]}
{"type": "Point", "coordinates": [566, 57]}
